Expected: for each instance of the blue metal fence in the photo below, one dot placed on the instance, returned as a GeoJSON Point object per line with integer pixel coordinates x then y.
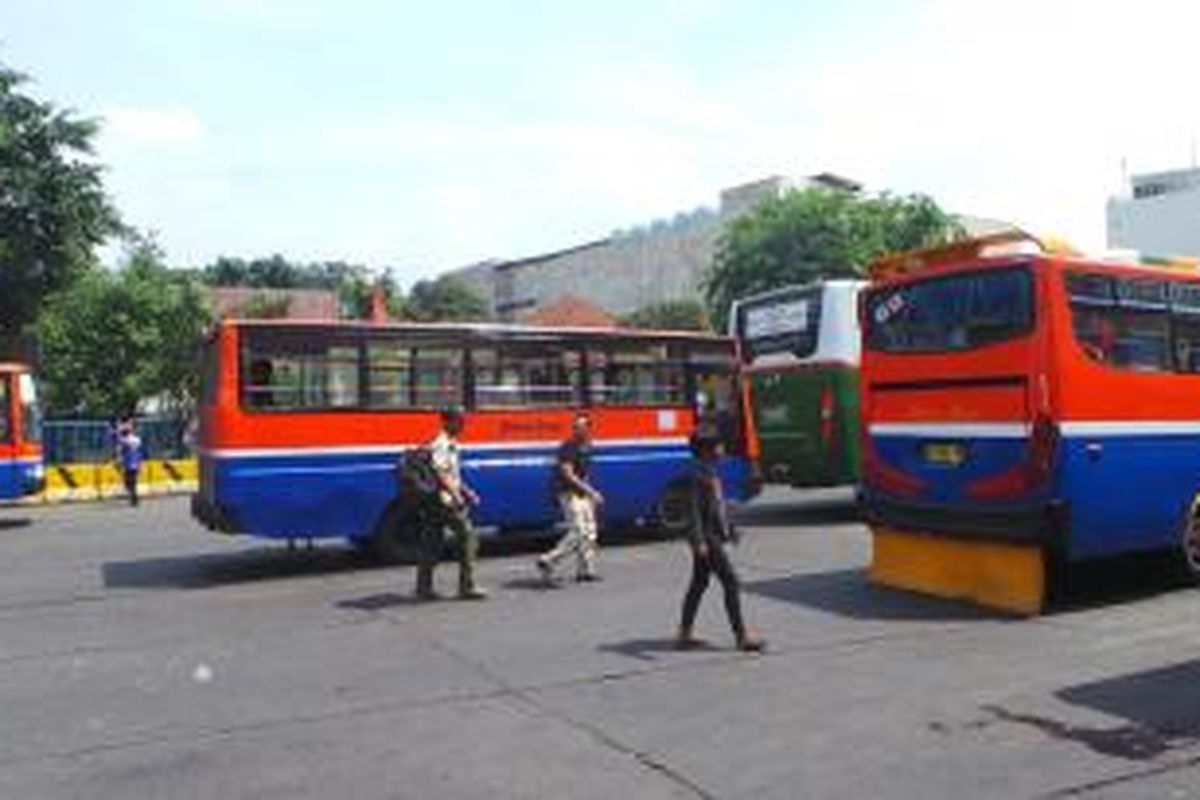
{"type": "Point", "coordinates": [93, 441]}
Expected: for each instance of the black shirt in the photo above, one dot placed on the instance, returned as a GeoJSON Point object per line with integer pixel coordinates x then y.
{"type": "Point", "coordinates": [578, 455]}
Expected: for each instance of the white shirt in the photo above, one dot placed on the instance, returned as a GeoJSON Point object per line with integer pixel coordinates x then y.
{"type": "Point", "coordinates": [444, 452]}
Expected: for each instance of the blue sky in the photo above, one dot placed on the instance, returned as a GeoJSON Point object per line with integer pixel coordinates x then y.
{"type": "Point", "coordinates": [430, 135]}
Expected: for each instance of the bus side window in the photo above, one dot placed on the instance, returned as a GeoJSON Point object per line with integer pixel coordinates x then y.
{"type": "Point", "coordinates": [1185, 326]}
{"type": "Point", "coordinates": [437, 376]}
{"type": "Point", "coordinates": [5, 411]}
{"type": "Point", "coordinates": [1122, 323]}
{"type": "Point", "coordinates": [300, 370]}
{"type": "Point", "coordinates": [637, 375]}
{"type": "Point", "coordinates": [526, 374]}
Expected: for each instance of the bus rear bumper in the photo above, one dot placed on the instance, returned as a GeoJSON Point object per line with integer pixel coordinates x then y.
{"type": "Point", "coordinates": [1003, 560]}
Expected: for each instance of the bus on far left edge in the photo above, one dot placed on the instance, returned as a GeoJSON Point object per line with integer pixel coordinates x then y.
{"type": "Point", "coordinates": [22, 471]}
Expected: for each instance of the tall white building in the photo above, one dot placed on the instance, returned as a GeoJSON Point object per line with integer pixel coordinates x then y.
{"type": "Point", "coordinates": [1159, 214]}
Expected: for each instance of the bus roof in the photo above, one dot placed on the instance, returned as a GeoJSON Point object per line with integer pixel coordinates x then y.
{"type": "Point", "coordinates": [482, 329]}
{"type": "Point", "coordinates": [847, 283]}
{"type": "Point", "coordinates": [1002, 248]}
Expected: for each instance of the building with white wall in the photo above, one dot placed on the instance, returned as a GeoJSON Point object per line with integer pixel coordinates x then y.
{"type": "Point", "coordinates": [1158, 214]}
{"type": "Point", "coordinates": [662, 261]}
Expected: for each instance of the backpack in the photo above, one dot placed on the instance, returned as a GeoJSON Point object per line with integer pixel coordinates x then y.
{"type": "Point", "coordinates": [416, 475]}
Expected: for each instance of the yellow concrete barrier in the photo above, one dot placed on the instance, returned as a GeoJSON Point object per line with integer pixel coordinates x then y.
{"type": "Point", "coordinates": [81, 482]}
{"type": "Point", "coordinates": [997, 575]}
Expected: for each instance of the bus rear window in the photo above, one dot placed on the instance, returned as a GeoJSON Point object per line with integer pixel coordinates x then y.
{"type": "Point", "coordinates": [784, 323]}
{"type": "Point", "coordinates": [954, 313]}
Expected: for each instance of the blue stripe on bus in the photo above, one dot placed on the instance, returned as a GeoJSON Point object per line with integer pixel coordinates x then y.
{"type": "Point", "coordinates": [17, 478]}
{"type": "Point", "coordinates": [986, 457]}
{"type": "Point", "coordinates": [344, 495]}
{"type": "Point", "coordinates": [1133, 494]}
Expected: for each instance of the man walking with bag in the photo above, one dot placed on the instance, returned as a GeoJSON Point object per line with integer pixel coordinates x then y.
{"type": "Point", "coordinates": [449, 513]}
{"type": "Point", "coordinates": [578, 500]}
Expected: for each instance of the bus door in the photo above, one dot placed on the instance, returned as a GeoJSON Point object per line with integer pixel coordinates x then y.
{"type": "Point", "coordinates": [717, 395]}
{"type": "Point", "coordinates": [8, 471]}
{"type": "Point", "coordinates": [948, 374]}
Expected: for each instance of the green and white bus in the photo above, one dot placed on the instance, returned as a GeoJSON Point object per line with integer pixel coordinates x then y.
{"type": "Point", "coordinates": [801, 347]}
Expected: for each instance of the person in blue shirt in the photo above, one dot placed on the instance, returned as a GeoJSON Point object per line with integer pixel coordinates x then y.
{"type": "Point", "coordinates": [129, 458]}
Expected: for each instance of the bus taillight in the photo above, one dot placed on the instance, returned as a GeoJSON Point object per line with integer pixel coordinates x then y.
{"type": "Point", "coordinates": [1034, 471]}
{"type": "Point", "coordinates": [879, 475]}
{"type": "Point", "coordinates": [827, 414]}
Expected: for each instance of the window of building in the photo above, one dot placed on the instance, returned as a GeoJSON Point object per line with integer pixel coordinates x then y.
{"type": "Point", "coordinates": [637, 374]}
{"type": "Point", "coordinates": [297, 369]}
{"type": "Point", "coordinates": [524, 374]}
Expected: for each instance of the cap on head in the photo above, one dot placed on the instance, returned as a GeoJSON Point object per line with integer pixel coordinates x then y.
{"type": "Point", "coordinates": [452, 414]}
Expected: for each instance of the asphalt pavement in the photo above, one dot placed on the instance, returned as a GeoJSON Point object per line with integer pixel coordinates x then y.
{"type": "Point", "coordinates": [142, 657]}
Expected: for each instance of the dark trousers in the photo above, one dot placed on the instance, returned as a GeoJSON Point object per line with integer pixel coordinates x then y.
{"type": "Point", "coordinates": [131, 485]}
{"type": "Point", "coordinates": [432, 532]}
{"type": "Point", "coordinates": [717, 560]}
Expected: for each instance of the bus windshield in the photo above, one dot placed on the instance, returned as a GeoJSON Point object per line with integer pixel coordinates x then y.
{"type": "Point", "coordinates": [781, 323]}
{"type": "Point", "coordinates": [31, 419]}
{"type": "Point", "coordinates": [957, 312]}
{"type": "Point", "coordinates": [5, 411]}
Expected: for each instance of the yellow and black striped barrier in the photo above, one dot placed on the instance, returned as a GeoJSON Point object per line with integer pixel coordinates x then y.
{"type": "Point", "coordinates": [66, 483]}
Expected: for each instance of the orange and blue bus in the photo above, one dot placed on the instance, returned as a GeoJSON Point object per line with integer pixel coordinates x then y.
{"type": "Point", "coordinates": [302, 424]}
{"type": "Point", "coordinates": [21, 469]}
{"type": "Point", "coordinates": [1025, 410]}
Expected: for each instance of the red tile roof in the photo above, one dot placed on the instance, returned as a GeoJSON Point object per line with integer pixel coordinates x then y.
{"type": "Point", "coordinates": [570, 311]}
{"type": "Point", "coordinates": [311, 304]}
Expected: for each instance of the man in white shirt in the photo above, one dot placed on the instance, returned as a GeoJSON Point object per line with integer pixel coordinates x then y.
{"type": "Point", "coordinates": [451, 514]}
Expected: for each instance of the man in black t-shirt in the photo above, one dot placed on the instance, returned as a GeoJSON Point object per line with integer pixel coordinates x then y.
{"type": "Point", "coordinates": [578, 499]}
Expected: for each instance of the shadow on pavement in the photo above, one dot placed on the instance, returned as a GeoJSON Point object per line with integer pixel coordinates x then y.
{"type": "Point", "coordinates": [806, 514]}
{"type": "Point", "coordinates": [1161, 708]}
{"type": "Point", "coordinates": [847, 593]}
{"type": "Point", "coordinates": [1118, 580]}
{"type": "Point", "coordinates": [12, 523]}
{"type": "Point", "coordinates": [533, 584]}
{"type": "Point", "coordinates": [220, 569]}
{"type": "Point", "coordinates": [378, 602]}
{"type": "Point", "coordinates": [648, 649]}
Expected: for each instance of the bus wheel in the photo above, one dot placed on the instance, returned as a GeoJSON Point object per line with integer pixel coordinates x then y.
{"type": "Point", "coordinates": [1189, 546]}
{"type": "Point", "coordinates": [395, 538]}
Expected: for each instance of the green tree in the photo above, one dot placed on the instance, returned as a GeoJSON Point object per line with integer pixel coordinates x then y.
{"type": "Point", "coordinates": [445, 299]}
{"type": "Point", "coordinates": [116, 339]}
{"type": "Point", "coordinates": [53, 210]}
{"type": "Point", "coordinates": [817, 233]}
{"type": "Point", "coordinates": [673, 315]}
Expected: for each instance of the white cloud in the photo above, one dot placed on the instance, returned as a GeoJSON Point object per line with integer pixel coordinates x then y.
{"type": "Point", "coordinates": [155, 126]}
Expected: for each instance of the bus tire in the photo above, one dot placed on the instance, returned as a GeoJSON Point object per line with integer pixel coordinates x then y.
{"type": "Point", "coordinates": [1188, 557]}
{"type": "Point", "coordinates": [394, 540]}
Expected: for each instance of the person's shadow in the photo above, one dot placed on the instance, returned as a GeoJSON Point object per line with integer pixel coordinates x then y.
{"type": "Point", "coordinates": [652, 648]}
